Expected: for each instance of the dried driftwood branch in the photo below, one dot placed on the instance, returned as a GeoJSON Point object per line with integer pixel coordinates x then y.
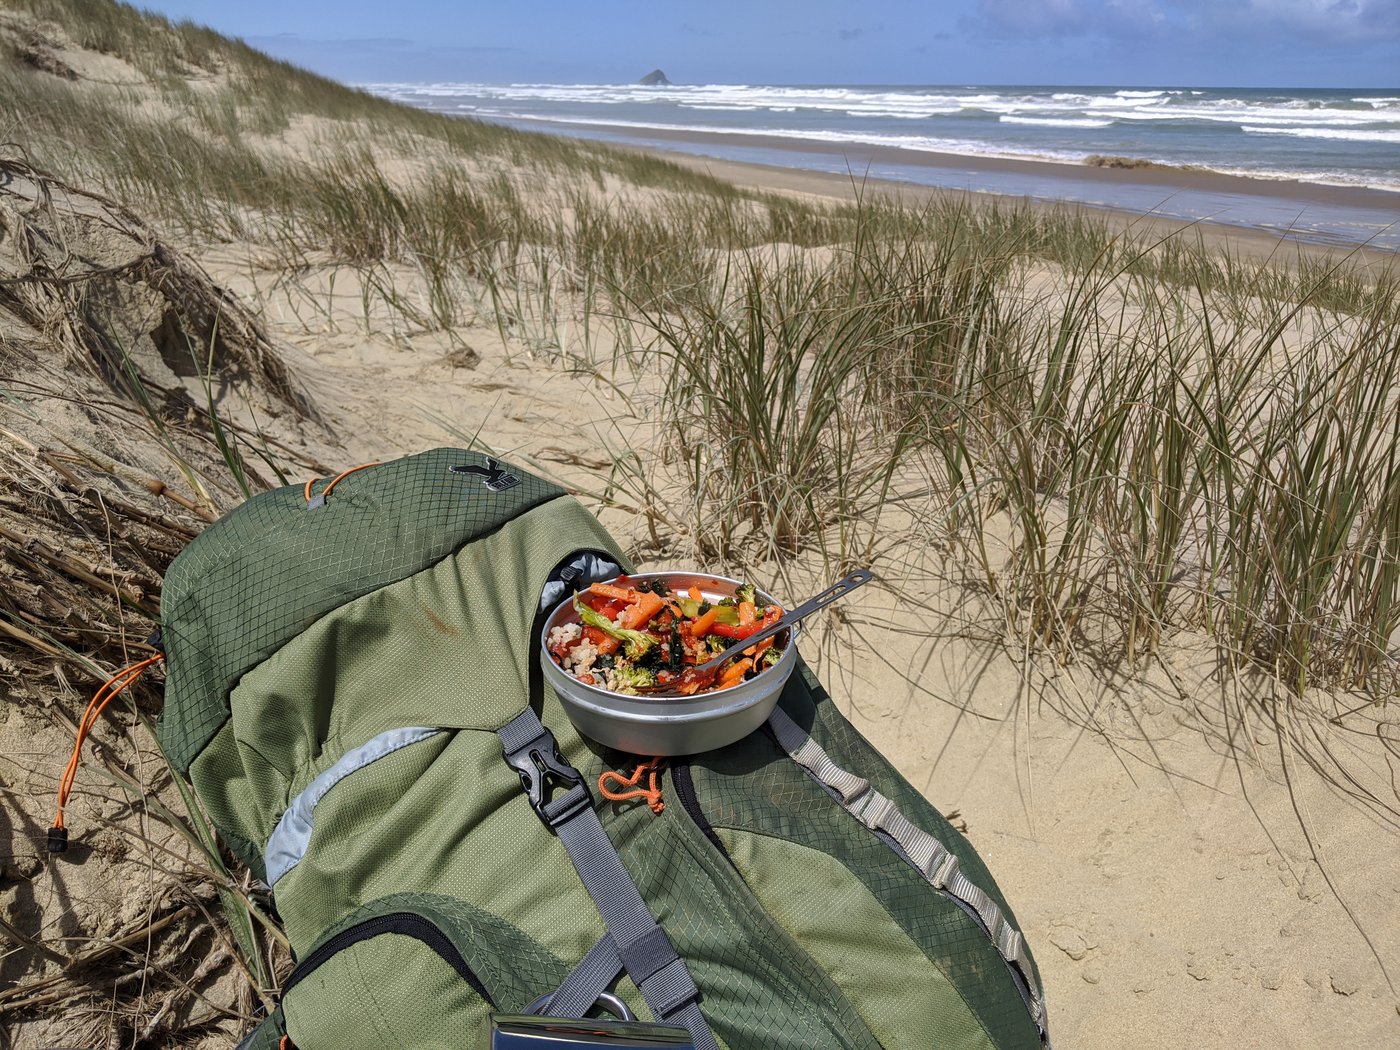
{"type": "Point", "coordinates": [97, 281]}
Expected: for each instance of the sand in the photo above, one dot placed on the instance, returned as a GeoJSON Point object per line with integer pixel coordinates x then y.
{"type": "Point", "coordinates": [1239, 240]}
{"type": "Point", "coordinates": [1289, 205]}
{"type": "Point", "coordinates": [988, 167]}
{"type": "Point", "coordinates": [1193, 861]}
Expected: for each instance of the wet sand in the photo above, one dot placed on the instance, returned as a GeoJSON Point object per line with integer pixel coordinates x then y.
{"type": "Point", "coordinates": [1150, 189]}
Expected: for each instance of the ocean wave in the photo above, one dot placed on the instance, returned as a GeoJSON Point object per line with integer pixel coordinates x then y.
{"type": "Point", "coordinates": [1057, 122]}
{"type": "Point", "coordinates": [1342, 134]}
{"type": "Point", "coordinates": [845, 101]}
{"type": "Point", "coordinates": [1328, 136]}
{"type": "Point", "coordinates": [961, 147]}
{"type": "Point", "coordinates": [1348, 179]}
{"type": "Point", "coordinates": [918, 103]}
{"type": "Point", "coordinates": [1223, 115]}
{"type": "Point", "coordinates": [922, 114]}
{"type": "Point", "coordinates": [918, 143]}
{"type": "Point", "coordinates": [1118, 102]}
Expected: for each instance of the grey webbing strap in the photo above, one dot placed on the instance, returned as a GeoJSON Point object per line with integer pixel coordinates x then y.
{"type": "Point", "coordinates": [643, 947]}
{"type": "Point", "coordinates": [923, 850]}
{"type": "Point", "coordinates": [593, 975]}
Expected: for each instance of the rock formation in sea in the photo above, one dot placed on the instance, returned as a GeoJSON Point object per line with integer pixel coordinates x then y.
{"type": "Point", "coordinates": [655, 78]}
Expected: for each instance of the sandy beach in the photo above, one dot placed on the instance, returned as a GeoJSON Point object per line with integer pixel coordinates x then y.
{"type": "Point", "coordinates": [1251, 242]}
{"type": "Point", "coordinates": [1170, 180]}
{"type": "Point", "coordinates": [1306, 211]}
{"type": "Point", "coordinates": [1200, 842]}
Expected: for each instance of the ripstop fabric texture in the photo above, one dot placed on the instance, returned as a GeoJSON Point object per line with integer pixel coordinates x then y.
{"type": "Point", "coordinates": [406, 604]}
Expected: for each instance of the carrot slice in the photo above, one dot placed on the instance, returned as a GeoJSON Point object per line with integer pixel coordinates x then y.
{"type": "Point", "coordinates": [604, 642]}
{"type": "Point", "coordinates": [701, 625]}
{"type": "Point", "coordinates": [645, 606]}
{"type": "Point", "coordinates": [747, 613]}
{"type": "Point", "coordinates": [609, 590]}
{"type": "Point", "coordinates": [734, 673]}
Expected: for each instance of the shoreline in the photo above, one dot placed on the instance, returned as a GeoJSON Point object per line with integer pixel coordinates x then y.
{"type": "Point", "coordinates": [1250, 242]}
{"type": "Point", "coordinates": [1150, 173]}
{"type": "Point", "coordinates": [998, 177]}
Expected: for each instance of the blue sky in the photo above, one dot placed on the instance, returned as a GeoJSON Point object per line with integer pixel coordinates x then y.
{"type": "Point", "coordinates": [1261, 43]}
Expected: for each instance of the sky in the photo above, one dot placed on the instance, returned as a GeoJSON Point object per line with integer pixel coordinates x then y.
{"type": "Point", "coordinates": [1187, 43]}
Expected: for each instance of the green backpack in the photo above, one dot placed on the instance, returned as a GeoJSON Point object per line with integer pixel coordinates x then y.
{"type": "Point", "coordinates": [353, 691]}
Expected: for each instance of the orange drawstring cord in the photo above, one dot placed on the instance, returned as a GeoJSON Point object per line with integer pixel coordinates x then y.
{"type": "Point", "coordinates": [306, 492]}
{"type": "Point", "coordinates": [652, 793]}
{"type": "Point", "coordinates": [111, 689]}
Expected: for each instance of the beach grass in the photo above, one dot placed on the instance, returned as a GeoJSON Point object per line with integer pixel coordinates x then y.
{"type": "Point", "coordinates": [1162, 426]}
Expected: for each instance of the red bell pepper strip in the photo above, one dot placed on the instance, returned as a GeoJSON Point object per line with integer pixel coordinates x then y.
{"type": "Point", "coordinates": [609, 607]}
{"type": "Point", "coordinates": [771, 615]}
{"type": "Point", "coordinates": [736, 631]}
{"type": "Point", "coordinates": [602, 641]}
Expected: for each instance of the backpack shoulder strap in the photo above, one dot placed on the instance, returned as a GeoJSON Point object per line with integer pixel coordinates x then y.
{"type": "Point", "coordinates": [638, 944]}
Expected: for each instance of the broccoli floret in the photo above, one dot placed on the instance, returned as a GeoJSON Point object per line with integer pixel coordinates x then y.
{"type": "Point", "coordinates": [636, 643]}
{"type": "Point", "coordinates": [632, 679]}
{"type": "Point", "coordinates": [658, 587]}
{"type": "Point", "coordinates": [747, 593]}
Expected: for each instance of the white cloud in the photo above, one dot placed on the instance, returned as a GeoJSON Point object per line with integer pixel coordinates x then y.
{"type": "Point", "coordinates": [1041, 18]}
{"type": "Point", "coordinates": [1327, 21]}
{"type": "Point", "coordinates": [1033, 17]}
{"type": "Point", "coordinates": [1314, 22]}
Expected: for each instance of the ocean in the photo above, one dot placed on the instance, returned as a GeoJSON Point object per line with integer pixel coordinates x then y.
{"type": "Point", "coordinates": [1304, 147]}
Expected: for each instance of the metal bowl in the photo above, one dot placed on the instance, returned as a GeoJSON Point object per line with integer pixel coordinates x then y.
{"type": "Point", "coordinates": [673, 725]}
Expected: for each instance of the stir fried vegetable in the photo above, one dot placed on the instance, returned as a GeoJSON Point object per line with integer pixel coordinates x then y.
{"type": "Point", "coordinates": [631, 639]}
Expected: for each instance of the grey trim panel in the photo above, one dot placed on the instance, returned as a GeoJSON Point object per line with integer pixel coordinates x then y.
{"type": "Point", "coordinates": [290, 838]}
{"type": "Point", "coordinates": [589, 567]}
{"type": "Point", "coordinates": [921, 849]}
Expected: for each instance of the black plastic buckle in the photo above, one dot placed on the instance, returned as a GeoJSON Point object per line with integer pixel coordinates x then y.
{"type": "Point", "coordinates": [540, 764]}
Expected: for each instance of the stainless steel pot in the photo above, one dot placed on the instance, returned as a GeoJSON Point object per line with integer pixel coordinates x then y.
{"type": "Point", "coordinates": [683, 725]}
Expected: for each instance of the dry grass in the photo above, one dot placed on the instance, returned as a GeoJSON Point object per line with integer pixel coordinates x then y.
{"type": "Point", "coordinates": [107, 469]}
